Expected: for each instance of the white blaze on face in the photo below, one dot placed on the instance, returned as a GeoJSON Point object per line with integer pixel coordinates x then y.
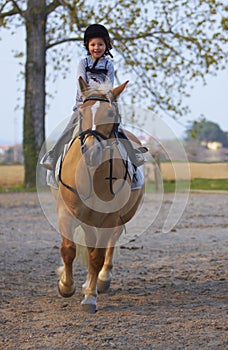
{"type": "Point", "coordinates": [94, 109]}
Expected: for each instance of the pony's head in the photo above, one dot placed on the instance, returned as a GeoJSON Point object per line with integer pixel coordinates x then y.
{"type": "Point", "coordinates": [99, 110]}
{"type": "Point", "coordinates": [99, 117]}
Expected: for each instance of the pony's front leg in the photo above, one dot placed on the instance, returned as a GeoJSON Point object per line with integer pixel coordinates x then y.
{"type": "Point", "coordinates": [68, 251]}
{"type": "Point", "coordinates": [105, 275]}
{"type": "Point", "coordinates": [96, 261]}
{"type": "Point", "coordinates": [66, 281]}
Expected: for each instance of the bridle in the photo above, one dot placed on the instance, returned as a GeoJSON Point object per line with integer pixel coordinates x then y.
{"type": "Point", "coordinates": [99, 137]}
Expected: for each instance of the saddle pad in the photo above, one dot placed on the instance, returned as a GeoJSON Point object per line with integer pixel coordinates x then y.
{"type": "Point", "coordinates": [137, 176]}
{"type": "Point", "coordinates": [52, 177]}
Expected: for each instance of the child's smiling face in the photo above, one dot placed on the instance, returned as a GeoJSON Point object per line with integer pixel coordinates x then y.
{"type": "Point", "coordinates": [96, 47]}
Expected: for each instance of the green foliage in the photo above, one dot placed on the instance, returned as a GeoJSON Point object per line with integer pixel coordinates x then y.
{"type": "Point", "coordinates": [163, 46]}
{"type": "Point", "coordinates": [209, 184]}
{"type": "Point", "coordinates": [169, 186]}
{"type": "Point", "coordinates": [196, 185]}
{"type": "Point", "coordinates": [206, 131]}
{"type": "Point", "coordinates": [18, 188]}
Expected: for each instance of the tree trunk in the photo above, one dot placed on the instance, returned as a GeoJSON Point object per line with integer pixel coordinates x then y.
{"type": "Point", "coordinates": [34, 107]}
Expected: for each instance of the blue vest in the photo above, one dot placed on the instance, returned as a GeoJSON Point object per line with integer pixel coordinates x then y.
{"type": "Point", "coordinates": [96, 74]}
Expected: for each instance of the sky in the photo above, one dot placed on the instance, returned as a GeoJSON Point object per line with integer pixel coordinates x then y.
{"type": "Point", "coordinates": [210, 100]}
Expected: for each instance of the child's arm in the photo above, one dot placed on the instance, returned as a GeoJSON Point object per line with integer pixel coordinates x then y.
{"type": "Point", "coordinates": [81, 72]}
{"type": "Point", "coordinates": [110, 73]}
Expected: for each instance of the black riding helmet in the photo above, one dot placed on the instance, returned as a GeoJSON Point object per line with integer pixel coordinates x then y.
{"type": "Point", "coordinates": [98, 31]}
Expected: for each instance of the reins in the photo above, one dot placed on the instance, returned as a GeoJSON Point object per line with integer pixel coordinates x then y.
{"type": "Point", "coordinates": [99, 136]}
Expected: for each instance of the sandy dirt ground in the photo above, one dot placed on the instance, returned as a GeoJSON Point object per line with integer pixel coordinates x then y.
{"type": "Point", "coordinates": [169, 290]}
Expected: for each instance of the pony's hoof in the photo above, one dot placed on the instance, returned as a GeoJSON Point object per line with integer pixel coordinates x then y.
{"type": "Point", "coordinates": [103, 286]}
{"type": "Point", "coordinates": [65, 292]}
{"type": "Point", "coordinates": [89, 304]}
{"type": "Point", "coordinates": [89, 308]}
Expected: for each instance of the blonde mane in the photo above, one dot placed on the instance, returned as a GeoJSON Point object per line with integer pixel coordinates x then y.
{"type": "Point", "coordinates": [103, 88]}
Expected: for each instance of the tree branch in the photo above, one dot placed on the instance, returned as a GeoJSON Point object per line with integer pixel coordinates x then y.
{"type": "Point", "coordinates": [141, 36]}
{"type": "Point", "coordinates": [16, 10]}
{"type": "Point", "coordinates": [118, 38]}
{"type": "Point", "coordinates": [56, 3]}
{"type": "Point", "coordinates": [2, 7]}
{"type": "Point", "coordinates": [17, 7]}
{"type": "Point", "coordinates": [63, 41]}
{"type": "Point", "coordinates": [8, 13]}
{"type": "Point", "coordinates": [53, 5]}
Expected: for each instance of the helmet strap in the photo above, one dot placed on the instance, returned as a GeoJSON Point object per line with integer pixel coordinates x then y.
{"type": "Point", "coordinates": [109, 53]}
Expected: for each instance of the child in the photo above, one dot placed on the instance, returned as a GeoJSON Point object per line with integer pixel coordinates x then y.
{"type": "Point", "coordinates": [95, 67]}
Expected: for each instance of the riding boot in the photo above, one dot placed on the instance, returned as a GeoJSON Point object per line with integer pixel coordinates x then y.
{"type": "Point", "coordinates": [49, 160]}
{"type": "Point", "coordinates": [135, 155]}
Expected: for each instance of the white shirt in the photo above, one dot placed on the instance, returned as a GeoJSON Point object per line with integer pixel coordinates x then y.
{"type": "Point", "coordinates": [89, 76]}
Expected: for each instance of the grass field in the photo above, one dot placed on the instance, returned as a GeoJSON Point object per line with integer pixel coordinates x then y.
{"type": "Point", "coordinates": [12, 177]}
{"type": "Point", "coordinates": [196, 185]}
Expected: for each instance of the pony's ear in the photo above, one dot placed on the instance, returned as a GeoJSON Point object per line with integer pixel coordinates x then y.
{"type": "Point", "coordinates": [83, 85]}
{"type": "Point", "coordinates": [115, 93]}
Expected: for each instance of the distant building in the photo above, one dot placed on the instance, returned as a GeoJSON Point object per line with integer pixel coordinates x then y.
{"type": "Point", "coordinates": [213, 145]}
{"type": "Point", "coordinates": [11, 154]}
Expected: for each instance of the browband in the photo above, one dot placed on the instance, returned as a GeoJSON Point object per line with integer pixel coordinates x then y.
{"type": "Point", "coordinates": [91, 98]}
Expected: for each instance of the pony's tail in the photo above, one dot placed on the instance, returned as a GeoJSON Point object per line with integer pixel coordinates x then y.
{"type": "Point", "coordinates": [82, 254]}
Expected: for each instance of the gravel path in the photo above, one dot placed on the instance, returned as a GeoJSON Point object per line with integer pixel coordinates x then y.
{"type": "Point", "coordinates": [169, 290]}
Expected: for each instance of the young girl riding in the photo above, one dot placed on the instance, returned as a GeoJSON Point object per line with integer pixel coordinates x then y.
{"type": "Point", "coordinates": [96, 67]}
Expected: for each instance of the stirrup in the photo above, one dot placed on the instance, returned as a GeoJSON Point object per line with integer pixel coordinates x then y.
{"type": "Point", "coordinates": [47, 162]}
{"type": "Point", "coordinates": [139, 159]}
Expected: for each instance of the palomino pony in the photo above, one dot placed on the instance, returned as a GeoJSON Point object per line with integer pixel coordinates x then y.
{"type": "Point", "coordinates": [94, 193]}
